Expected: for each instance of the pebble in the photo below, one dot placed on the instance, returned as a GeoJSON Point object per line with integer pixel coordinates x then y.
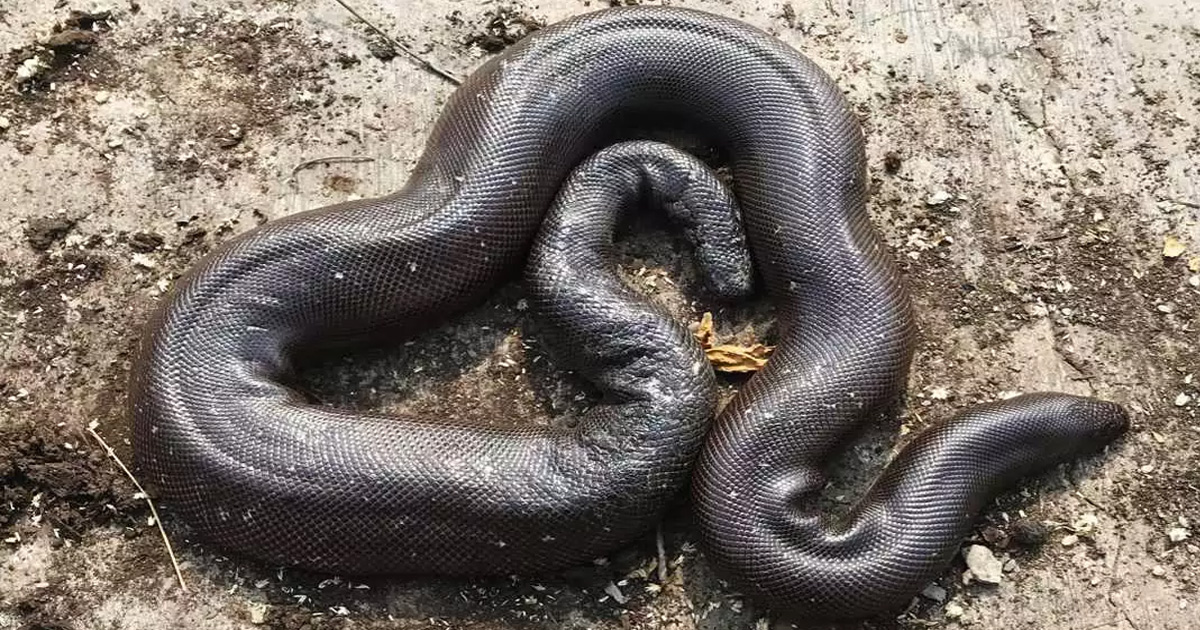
{"type": "Point", "coordinates": [1194, 280]}
{"type": "Point", "coordinates": [102, 96]}
{"type": "Point", "coordinates": [1069, 540]}
{"type": "Point", "coordinates": [145, 242]}
{"type": "Point", "coordinates": [381, 49]}
{"type": "Point", "coordinates": [4, 123]}
{"type": "Point", "coordinates": [954, 611]}
{"type": "Point", "coordinates": [258, 613]}
{"type": "Point", "coordinates": [1085, 524]}
{"type": "Point", "coordinates": [892, 162]}
{"type": "Point", "coordinates": [1182, 399]}
{"type": "Point", "coordinates": [1028, 533]}
{"type": "Point", "coordinates": [938, 198]}
{"type": "Point", "coordinates": [29, 69]}
{"type": "Point", "coordinates": [1158, 570]}
{"type": "Point", "coordinates": [995, 536]}
{"type": "Point", "coordinates": [935, 593]}
{"type": "Point", "coordinates": [229, 136]}
{"type": "Point", "coordinates": [1172, 247]}
{"type": "Point", "coordinates": [982, 565]}
{"type": "Point", "coordinates": [1178, 534]}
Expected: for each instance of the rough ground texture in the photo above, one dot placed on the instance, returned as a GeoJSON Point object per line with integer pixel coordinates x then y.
{"type": "Point", "coordinates": [1034, 166]}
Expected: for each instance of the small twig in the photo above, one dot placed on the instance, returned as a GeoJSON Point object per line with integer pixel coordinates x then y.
{"type": "Point", "coordinates": [153, 511]}
{"type": "Point", "coordinates": [1185, 203]}
{"type": "Point", "coordinates": [1112, 585]}
{"type": "Point", "coordinates": [423, 62]}
{"type": "Point", "coordinates": [330, 159]}
{"type": "Point", "coordinates": [1069, 357]}
{"type": "Point", "coordinates": [1091, 502]}
{"type": "Point", "coordinates": [662, 555]}
{"type": "Point", "coordinates": [58, 523]}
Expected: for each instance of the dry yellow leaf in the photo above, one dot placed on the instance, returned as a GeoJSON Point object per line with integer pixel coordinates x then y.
{"type": "Point", "coordinates": [727, 357]}
{"type": "Point", "coordinates": [733, 358]}
{"type": "Point", "coordinates": [1172, 247]}
{"type": "Point", "coordinates": [1194, 264]}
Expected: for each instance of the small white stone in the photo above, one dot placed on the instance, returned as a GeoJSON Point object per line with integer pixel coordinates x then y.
{"type": "Point", "coordinates": [258, 613]}
{"type": "Point", "coordinates": [983, 565]}
{"type": "Point", "coordinates": [102, 96]}
{"type": "Point", "coordinates": [1069, 540]}
{"type": "Point", "coordinates": [1194, 281]}
{"type": "Point", "coordinates": [1182, 399]}
{"type": "Point", "coordinates": [1085, 524]}
{"type": "Point", "coordinates": [1158, 570]}
{"type": "Point", "coordinates": [4, 123]}
{"type": "Point", "coordinates": [954, 611]}
{"type": "Point", "coordinates": [938, 198]}
{"type": "Point", "coordinates": [1178, 534]}
{"type": "Point", "coordinates": [30, 68]}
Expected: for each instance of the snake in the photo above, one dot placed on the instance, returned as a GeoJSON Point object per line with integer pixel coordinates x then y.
{"type": "Point", "coordinates": [532, 164]}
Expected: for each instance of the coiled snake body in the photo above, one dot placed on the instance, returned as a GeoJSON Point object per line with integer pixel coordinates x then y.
{"type": "Point", "coordinates": [254, 467]}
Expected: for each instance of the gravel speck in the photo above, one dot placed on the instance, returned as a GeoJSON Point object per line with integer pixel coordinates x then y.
{"type": "Point", "coordinates": [892, 163]}
{"type": "Point", "coordinates": [258, 613]}
{"type": "Point", "coordinates": [145, 242]}
{"type": "Point", "coordinates": [938, 198]}
{"type": "Point", "coordinates": [381, 49]}
{"type": "Point", "coordinates": [1178, 534]}
{"type": "Point", "coordinates": [935, 593]}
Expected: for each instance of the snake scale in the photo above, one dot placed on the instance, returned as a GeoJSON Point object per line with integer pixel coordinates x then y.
{"type": "Point", "coordinates": [535, 158]}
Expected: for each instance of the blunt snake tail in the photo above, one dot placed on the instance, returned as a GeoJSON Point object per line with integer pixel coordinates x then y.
{"type": "Point", "coordinates": [533, 159]}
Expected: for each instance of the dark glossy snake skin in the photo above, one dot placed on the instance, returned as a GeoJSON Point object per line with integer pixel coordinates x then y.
{"type": "Point", "coordinates": [254, 467]}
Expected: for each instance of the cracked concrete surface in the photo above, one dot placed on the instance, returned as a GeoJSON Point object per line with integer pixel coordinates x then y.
{"type": "Point", "coordinates": [1027, 162]}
